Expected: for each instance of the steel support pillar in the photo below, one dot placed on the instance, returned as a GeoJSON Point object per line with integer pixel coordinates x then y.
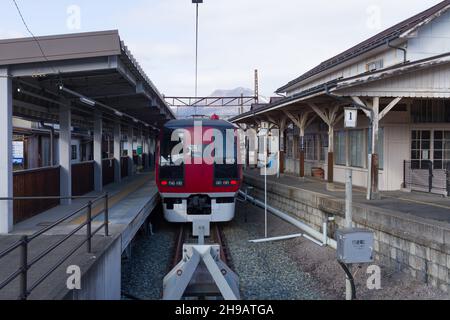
{"type": "Point", "coordinates": [140, 143]}
{"type": "Point", "coordinates": [117, 152]}
{"type": "Point", "coordinates": [130, 152]}
{"type": "Point", "coordinates": [65, 152]}
{"type": "Point", "coordinates": [6, 175]}
{"type": "Point", "coordinates": [146, 151]}
{"type": "Point", "coordinates": [98, 157]}
{"type": "Point", "coordinates": [152, 152]}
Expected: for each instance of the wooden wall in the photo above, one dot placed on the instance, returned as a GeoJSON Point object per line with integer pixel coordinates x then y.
{"type": "Point", "coordinates": [124, 166]}
{"type": "Point", "coordinates": [108, 171]}
{"type": "Point", "coordinates": [82, 178]}
{"type": "Point", "coordinates": [42, 182]}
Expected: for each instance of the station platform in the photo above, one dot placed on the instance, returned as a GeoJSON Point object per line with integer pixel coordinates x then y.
{"type": "Point", "coordinates": [130, 204]}
{"type": "Point", "coordinates": [423, 205]}
{"type": "Point", "coordinates": [411, 229]}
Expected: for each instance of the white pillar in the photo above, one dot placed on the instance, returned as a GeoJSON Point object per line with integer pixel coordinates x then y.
{"type": "Point", "coordinates": [374, 161]}
{"type": "Point", "coordinates": [6, 175]}
{"type": "Point", "coordinates": [130, 152]}
{"type": "Point", "coordinates": [152, 151]}
{"type": "Point", "coordinates": [140, 142]}
{"type": "Point", "coordinates": [117, 152]}
{"type": "Point", "coordinates": [65, 153]}
{"type": "Point", "coordinates": [98, 157]}
{"type": "Point", "coordinates": [146, 151]}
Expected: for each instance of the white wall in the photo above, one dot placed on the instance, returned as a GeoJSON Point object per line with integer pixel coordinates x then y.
{"type": "Point", "coordinates": [431, 40]}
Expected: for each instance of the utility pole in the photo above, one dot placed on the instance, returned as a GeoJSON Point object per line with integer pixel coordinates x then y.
{"type": "Point", "coordinates": [196, 2]}
{"type": "Point", "coordinates": [256, 87]}
{"type": "Point", "coordinates": [348, 220]}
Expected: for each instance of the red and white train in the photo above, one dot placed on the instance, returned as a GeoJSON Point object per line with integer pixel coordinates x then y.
{"type": "Point", "coordinates": [194, 182]}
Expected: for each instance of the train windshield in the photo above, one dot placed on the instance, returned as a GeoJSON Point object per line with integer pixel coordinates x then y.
{"type": "Point", "coordinates": [171, 164]}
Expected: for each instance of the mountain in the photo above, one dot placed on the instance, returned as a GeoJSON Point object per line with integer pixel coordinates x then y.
{"type": "Point", "coordinates": [224, 112]}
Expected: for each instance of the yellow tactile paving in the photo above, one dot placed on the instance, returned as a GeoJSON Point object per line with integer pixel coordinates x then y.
{"type": "Point", "coordinates": [114, 199]}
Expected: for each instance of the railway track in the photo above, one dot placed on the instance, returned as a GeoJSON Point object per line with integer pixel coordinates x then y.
{"type": "Point", "coordinates": [201, 286]}
{"type": "Point", "coordinates": [217, 237]}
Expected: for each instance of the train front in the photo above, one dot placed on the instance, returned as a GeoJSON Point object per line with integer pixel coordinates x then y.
{"type": "Point", "coordinates": [198, 173]}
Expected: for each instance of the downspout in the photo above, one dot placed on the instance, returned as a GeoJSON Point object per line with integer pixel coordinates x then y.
{"type": "Point", "coordinates": [398, 48]}
{"type": "Point", "coordinates": [52, 139]}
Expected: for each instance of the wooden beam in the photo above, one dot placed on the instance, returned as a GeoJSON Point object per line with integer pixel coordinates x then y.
{"type": "Point", "coordinates": [294, 119]}
{"type": "Point", "coordinates": [310, 121]}
{"type": "Point", "coordinates": [333, 114]}
{"type": "Point", "coordinates": [339, 118]}
{"type": "Point", "coordinates": [358, 101]}
{"type": "Point", "coordinates": [389, 107]}
{"type": "Point", "coordinates": [320, 113]}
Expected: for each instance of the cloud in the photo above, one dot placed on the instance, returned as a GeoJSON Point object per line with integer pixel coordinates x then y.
{"type": "Point", "coordinates": [10, 34]}
{"type": "Point", "coordinates": [282, 39]}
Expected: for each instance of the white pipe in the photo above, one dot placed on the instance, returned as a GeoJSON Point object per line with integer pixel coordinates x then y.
{"type": "Point", "coordinates": [312, 232]}
{"type": "Point", "coordinates": [313, 240]}
{"type": "Point", "coordinates": [287, 238]}
{"type": "Point", "coordinates": [292, 236]}
{"type": "Point", "coordinates": [324, 233]}
{"type": "Point", "coordinates": [265, 187]}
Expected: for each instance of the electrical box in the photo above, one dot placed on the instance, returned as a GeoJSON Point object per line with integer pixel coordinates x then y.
{"type": "Point", "coordinates": [354, 245]}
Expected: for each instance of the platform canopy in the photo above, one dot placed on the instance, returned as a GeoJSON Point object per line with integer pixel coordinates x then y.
{"type": "Point", "coordinates": [93, 71]}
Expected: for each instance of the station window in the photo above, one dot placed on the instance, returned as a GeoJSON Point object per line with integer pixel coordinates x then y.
{"type": "Point", "coordinates": [420, 149]}
{"type": "Point", "coordinates": [290, 146]}
{"type": "Point", "coordinates": [310, 147]}
{"type": "Point", "coordinates": [441, 152]}
{"type": "Point", "coordinates": [357, 148]}
{"type": "Point", "coordinates": [323, 142]}
{"type": "Point", "coordinates": [74, 152]}
{"type": "Point", "coordinates": [339, 148]}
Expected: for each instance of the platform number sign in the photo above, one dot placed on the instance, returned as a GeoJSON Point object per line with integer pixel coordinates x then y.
{"type": "Point", "coordinates": [351, 117]}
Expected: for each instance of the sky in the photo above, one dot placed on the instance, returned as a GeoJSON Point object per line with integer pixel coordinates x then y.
{"type": "Point", "coordinates": [282, 39]}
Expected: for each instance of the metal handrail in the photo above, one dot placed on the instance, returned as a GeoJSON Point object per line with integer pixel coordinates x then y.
{"type": "Point", "coordinates": [51, 198]}
{"type": "Point", "coordinates": [36, 169]}
{"type": "Point", "coordinates": [24, 242]}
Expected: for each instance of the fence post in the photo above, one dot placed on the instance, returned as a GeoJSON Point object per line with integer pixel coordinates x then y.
{"type": "Point", "coordinates": [89, 227]}
{"type": "Point", "coordinates": [404, 174]}
{"type": "Point", "coordinates": [447, 175]}
{"type": "Point", "coordinates": [430, 176]}
{"type": "Point", "coordinates": [24, 268]}
{"type": "Point", "coordinates": [106, 215]}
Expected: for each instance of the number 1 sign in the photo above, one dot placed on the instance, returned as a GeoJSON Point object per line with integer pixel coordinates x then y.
{"type": "Point", "coordinates": [351, 117]}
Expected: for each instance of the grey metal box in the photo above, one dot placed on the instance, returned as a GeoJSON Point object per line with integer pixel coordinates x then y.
{"type": "Point", "coordinates": [354, 245]}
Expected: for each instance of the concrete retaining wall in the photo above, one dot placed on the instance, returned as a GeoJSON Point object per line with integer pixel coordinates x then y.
{"type": "Point", "coordinates": [101, 280]}
{"type": "Point", "coordinates": [410, 244]}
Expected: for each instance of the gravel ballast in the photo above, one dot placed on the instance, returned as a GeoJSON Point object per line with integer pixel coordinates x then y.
{"type": "Point", "coordinates": [266, 272]}
{"type": "Point", "coordinates": [144, 271]}
{"type": "Point", "coordinates": [295, 269]}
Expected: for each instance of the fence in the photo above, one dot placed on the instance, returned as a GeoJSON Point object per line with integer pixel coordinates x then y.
{"type": "Point", "coordinates": [35, 182]}
{"type": "Point", "coordinates": [82, 178]}
{"type": "Point", "coordinates": [124, 166]}
{"type": "Point", "coordinates": [421, 176]}
{"type": "Point", "coordinates": [108, 167]}
{"type": "Point", "coordinates": [24, 242]}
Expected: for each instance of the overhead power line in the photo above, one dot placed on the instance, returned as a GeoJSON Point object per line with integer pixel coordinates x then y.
{"type": "Point", "coordinates": [32, 34]}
